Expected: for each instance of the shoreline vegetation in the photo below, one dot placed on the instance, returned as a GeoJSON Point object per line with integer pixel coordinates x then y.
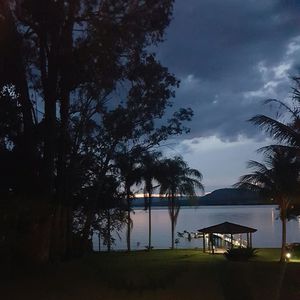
{"type": "Point", "coordinates": [159, 274]}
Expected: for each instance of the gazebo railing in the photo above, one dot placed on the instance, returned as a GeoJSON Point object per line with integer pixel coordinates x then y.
{"type": "Point", "coordinates": [235, 242]}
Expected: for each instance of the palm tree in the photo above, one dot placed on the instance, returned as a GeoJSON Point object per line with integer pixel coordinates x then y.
{"type": "Point", "coordinates": [177, 179]}
{"type": "Point", "coordinates": [127, 164]}
{"type": "Point", "coordinates": [287, 133]}
{"type": "Point", "coordinates": [149, 173]}
{"type": "Point", "coordinates": [276, 179]}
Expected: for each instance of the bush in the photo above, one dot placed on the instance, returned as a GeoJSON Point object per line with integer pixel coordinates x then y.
{"type": "Point", "coordinates": [240, 254]}
{"type": "Point", "coordinates": [294, 250]}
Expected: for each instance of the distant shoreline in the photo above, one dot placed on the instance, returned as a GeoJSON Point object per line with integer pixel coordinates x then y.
{"type": "Point", "coordinates": [210, 205]}
{"type": "Point", "coordinates": [221, 197]}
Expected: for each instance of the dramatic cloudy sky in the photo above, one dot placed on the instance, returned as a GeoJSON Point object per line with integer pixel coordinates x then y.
{"type": "Point", "coordinates": [229, 56]}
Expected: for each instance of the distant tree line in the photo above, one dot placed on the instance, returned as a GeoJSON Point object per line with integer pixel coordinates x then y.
{"type": "Point", "coordinates": [80, 95]}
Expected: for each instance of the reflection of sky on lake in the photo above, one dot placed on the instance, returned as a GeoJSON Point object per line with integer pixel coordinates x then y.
{"type": "Point", "coordinates": [263, 218]}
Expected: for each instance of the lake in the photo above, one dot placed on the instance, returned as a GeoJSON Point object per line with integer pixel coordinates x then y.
{"type": "Point", "coordinates": [262, 217]}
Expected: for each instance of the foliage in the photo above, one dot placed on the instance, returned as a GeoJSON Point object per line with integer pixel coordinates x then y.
{"type": "Point", "coordinates": [240, 254]}
{"type": "Point", "coordinates": [79, 84]}
{"type": "Point", "coordinates": [149, 170]}
{"type": "Point", "coordinates": [177, 179]}
{"type": "Point", "coordinates": [278, 179]}
{"type": "Point", "coordinates": [294, 250]}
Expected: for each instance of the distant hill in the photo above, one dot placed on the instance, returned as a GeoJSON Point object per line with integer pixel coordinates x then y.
{"type": "Point", "coordinates": [229, 196]}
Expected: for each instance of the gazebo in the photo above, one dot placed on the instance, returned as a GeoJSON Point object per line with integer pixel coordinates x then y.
{"type": "Point", "coordinates": [224, 233]}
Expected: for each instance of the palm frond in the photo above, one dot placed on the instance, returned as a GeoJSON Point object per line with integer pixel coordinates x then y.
{"type": "Point", "coordinates": [252, 164]}
{"type": "Point", "coordinates": [195, 173]}
{"type": "Point", "coordinates": [270, 149]}
{"type": "Point", "coordinates": [277, 130]}
{"type": "Point", "coordinates": [282, 104]}
{"type": "Point", "coordinates": [248, 186]}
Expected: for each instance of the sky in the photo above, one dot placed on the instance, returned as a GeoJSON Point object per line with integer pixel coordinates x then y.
{"type": "Point", "coordinates": [229, 56]}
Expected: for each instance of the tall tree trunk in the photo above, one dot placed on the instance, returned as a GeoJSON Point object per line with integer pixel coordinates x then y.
{"type": "Point", "coordinates": [150, 222]}
{"type": "Point", "coordinates": [61, 232]}
{"type": "Point", "coordinates": [13, 67]}
{"type": "Point", "coordinates": [13, 71]}
{"type": "Point", "coordinates": [63, 176]}
{"type": "Point", "coordinates": [128, 237]}
{"type": "Point", "coordinates": [50, 87]}
{"type": "Point", "coordinates": [86, 231]}
{"type": "Point", "coordinates": [172, 221]}
{"type": "Point", "coordinates": [69, 237]}
{"type": "Point", "coordinates": [283, 237]}
{"type": "Point", "coordinates": [62, 236]}
{"type": "Point", "coordinates": [55, 231]}
{"type": "Point", "coordinates": [99, 241]}
{"type": "Point", "coordinates": [33, 240]}
{"type": "Point", "coordinates": [108, 231]}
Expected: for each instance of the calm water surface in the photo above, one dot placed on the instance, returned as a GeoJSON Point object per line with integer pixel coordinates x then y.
{"type": "Point", "coordinates": [263, 218]}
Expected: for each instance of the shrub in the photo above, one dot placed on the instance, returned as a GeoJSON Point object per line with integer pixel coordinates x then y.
{"type": "Point", "coordinates": [240, 254]}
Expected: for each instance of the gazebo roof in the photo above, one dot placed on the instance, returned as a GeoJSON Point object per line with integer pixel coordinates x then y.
{"type": "Point", "coordinates": [227, 227]}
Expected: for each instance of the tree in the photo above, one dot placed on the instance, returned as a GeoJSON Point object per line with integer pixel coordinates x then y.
{"type": "Point", "coordinates": [277, 180]}
{"type": "Point", "coordinates": [127, 165]}
{"type": "Point", "coordinates": [150, 168]}
{"type": "Point", "coordinates": [110, 216]}
{"type": "Point", "coordinates": [84, 49]}
{"type": "Point", "coordinates": [285, 129]}
{"type": "Point", "coordinates": [86, 83]}
{"type": "Point", "coordinates": [177, 180]}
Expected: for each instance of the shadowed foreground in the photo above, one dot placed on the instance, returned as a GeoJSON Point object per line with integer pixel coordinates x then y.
{"type": "Point", "coordinates": [161, 274]}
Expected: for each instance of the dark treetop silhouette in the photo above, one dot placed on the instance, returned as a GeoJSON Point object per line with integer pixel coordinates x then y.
{"type": "Point", "coordinates": [78, 84]}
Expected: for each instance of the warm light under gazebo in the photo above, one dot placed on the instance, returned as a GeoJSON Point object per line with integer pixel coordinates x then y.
{"type": "Point", "coordinates": [224, 232]}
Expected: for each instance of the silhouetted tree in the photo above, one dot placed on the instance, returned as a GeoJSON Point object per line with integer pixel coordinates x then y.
{"type": "Point", "coordinates": [177, 180]}
{"type": "Point", "coordinates": [127, 165]}
{"type": "Point", "coordinates": [278, 180]}
{"type": "Point", "coordinates": [284, 129]}
{"type": "Point", "coordinates": [149, 168]}
{"type": "Point", "coordinates": [110, 217]}
{"type": "Point", "coordinates": [85, 83]}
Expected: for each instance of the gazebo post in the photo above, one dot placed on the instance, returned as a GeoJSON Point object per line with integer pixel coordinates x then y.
{"type": "Point", "coordinates": [231, 238]}
{"type": "Point", "coordinates": [248, 240]}
{"type": "Point", "coordinates": [212, 243]}
{"type": "Point", "coordinates": [203, 242]}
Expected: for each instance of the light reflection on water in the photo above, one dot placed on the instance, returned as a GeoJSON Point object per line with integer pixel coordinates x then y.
{"type": "Point", "coordinates": [263, 218]}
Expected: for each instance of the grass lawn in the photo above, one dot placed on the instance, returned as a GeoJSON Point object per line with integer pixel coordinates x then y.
{"type": "Point", "coordinates": [160, 274]}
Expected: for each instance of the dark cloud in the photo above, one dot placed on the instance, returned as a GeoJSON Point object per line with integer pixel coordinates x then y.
{"type": "Point", "coordinates": [229, 56]}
